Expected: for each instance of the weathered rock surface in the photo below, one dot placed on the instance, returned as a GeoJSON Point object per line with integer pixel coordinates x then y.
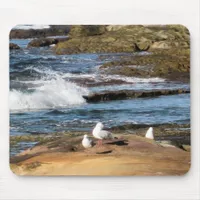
{"type": "Point", "coordinates": [129, 38]}
{"type": "Point", "coordinates": [42, 42]}
{"type": "Point", "coordinates": [87, 30]}
{"type": "Point", "coordinates": [128, 94]}
{"type": "Point", "coordinates": [142, 44]}
{"type": "Point", "coordinates": [13, 46]}
{"type": "Point", "coordinates": [39, 33]}
{"type": "Point", "coordinates": [169, 48]}
{"type": "Point", "coordinates": [128, 155]}
{"type": "Point", "coordinates": [173, 64]}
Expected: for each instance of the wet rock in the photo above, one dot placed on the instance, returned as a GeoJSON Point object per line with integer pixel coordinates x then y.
{"type": "Point", "coordinates": [173, 64]}
{"type": "Point", "coordinates": [13, 46]}
{"type": "Point", "coordinates": [128, 94]}
{"type": "Point", "coordinates": [114, 27]}
{"type": "Point", "coordinates": [42, 42]}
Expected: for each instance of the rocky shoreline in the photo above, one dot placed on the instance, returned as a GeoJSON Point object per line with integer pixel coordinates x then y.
{"type": "Point", "coordinates": [128, 154]}
{"type": "Point", "coordinates": [167, 47]}
{"type": "Point", "coordinates": [153, 51]}
{"type": "Point", "coordinates": [176, 134]}
{"type": "Point", "coordinates": [130, 94]}
{"type": "Point", "coordinates": [127, 38]}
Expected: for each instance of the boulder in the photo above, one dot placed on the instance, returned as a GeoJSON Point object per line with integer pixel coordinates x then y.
{"type": "Point", "coordinates": [86, 30]}
{"type": "Point", "coordinates": [42, 42]}
{"type": "Point", "coordinates": [142, 44]}
{"type": "Point", "coordinates": [13, 46]}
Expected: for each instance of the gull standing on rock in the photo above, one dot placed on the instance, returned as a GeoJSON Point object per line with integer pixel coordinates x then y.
{"type": "Point", "coordinates": [149, 133]}
{"type": "Point", "coordinates": [101, 134]}
{"type": "Point", "coordinates": [87, 142]}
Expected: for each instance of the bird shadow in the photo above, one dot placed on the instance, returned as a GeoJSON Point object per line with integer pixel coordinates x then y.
{"type": "Point", "coordinates": [118, 142]}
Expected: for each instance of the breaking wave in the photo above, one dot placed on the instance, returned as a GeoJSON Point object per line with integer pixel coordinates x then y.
{"type": "Point", "coordinates": [53, 93]}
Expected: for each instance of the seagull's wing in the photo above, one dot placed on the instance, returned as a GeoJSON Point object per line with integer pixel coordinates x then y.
{"type": "Point", "coordinates": [105, 134]}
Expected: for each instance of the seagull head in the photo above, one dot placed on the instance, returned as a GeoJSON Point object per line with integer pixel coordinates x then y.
{"type": "Point", "coordinates": [99, 125]}
{"type": "Point", "coordinates": [85, 136]}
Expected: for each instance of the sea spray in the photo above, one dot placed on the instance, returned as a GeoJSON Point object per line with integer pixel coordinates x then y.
{"type": "Point", "coordinates": [52, 93]}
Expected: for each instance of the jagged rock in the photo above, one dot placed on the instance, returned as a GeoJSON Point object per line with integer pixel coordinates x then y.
{"type": "Point", "coordinates": [13, 46]}
{"type": "Point", "coordinates": [142, 44]}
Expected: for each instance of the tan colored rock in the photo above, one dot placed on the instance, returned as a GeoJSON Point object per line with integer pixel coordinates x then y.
{"type": "Point", "coordinates": [160, 45]}
{"type": "Point", "coordinates": [86, 30]}
{"type": "Point", "coordinates": [128, 155]}
{"type": "Point", "coordinates": [161, 35]}
{"type": "Point", "coordinates": [114, 27]}
{"type": "Point", "coordinates": [142, 44]}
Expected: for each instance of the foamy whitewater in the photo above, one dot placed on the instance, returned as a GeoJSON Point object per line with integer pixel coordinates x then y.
{"type": "Point", "coordinates": [54, 93]}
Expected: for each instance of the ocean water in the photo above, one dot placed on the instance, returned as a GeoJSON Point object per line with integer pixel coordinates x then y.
{"type": "Point", "coordinates": [46, 94]}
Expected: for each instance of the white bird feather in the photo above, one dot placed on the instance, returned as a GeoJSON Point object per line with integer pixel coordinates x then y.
{"type": "Point", "coordinates": [87, 142]}
{"type": "Point", "coordinates": [149, 133]}
{"type": "Point", "coordinates": [101, 134]}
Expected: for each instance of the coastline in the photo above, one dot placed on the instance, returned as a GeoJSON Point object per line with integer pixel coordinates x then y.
{"type": "Point", "coordinates": [130, 155]}
{"type": "Point", "coordinates": [136, 56]}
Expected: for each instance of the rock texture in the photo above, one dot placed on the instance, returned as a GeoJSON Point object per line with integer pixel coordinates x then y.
{"type": "Point", "coordinates": [127, 155]}
{"type": "Point", "coordinates": [42, 42]}
{"type": "Point", "coordinates": [129, 38]}
{"type": "Point", "coordinates": [13, 46]}
{"type": "Point", "coordinates": [128, 94]}
{"type": "Point", "coordinates": [39, 33]}
{"type": "Point", "coordinates": [172, 64]}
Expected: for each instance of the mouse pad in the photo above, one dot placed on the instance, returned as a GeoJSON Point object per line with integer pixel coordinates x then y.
{"type": "Point", "coordinates": [101, 100]}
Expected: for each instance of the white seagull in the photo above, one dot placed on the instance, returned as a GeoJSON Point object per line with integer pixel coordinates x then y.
{"type": "Point", "coordinates": [101, 134]}
{"type": "Point", "coordinates": [87, 142]}
{"type": "Point", "coordinates": [149, 133]}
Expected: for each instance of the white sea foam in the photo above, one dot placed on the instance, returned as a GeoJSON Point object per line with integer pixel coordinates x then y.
{"type": "Point", "coordinates": [102, 77]}
{"type": "Point", "coordinates": [133, 79]}
{"type": "Point", "coordinates": [51, 94]}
